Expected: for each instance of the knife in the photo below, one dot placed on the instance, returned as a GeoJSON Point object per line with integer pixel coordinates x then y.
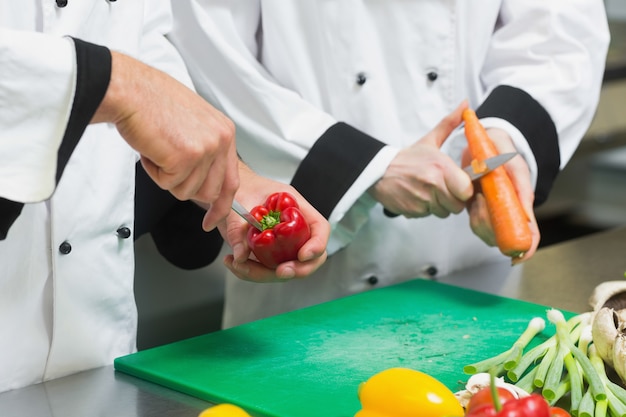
{"type": "Point", "coordinates": [490, 164]}
{"type": "Point", "coordinates": [245, 214]}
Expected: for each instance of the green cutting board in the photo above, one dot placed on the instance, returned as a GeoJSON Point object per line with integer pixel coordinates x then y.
{"type": "Point", "coordinates": [310, 362]}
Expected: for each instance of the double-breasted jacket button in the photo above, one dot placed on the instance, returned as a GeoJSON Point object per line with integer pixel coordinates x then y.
{"type": "Point", "coordinates": [65, 248]}
{"type": "Point", "coordinates": [61, 3]}
{"type": "Point", "coordinates": [432, 75]}
{"type": "Point", "coordinates": [373, 280]}
{"type": "Point", "coordinates": [431, 271]}
{"type": "Point", "coordinates": [361, 78]}
{"type": "Point", "coordinates": [123, 232]}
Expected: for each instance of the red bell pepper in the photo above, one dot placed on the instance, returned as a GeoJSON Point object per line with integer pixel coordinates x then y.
{"type": "Point", "coordinates": [484, 406]}
{"type": "Point", "coordinates": [284, 230]}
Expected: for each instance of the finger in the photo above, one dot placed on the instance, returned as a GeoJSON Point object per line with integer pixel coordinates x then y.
{"type": "Point", "coordinates": [436, 208]}
{"type": "Point", "coordinates": [235, 230]}
{"type": "Point", "coordinates": [153, 172]}
{"type": "Point", "coordinates": [315, 247]}
{"type": "Point", "coordinates": [458, 184]}
{"type": "Point", "coordinates": [449, 203]}
{"type": "Point", "coordinates": [223, 203]}
{"type": "Point", "coordinates": [252, 271]}
{"type": "Point", "coordinates": [480, 222]}
{"type": "Point", "coordinates": [291, 269]}
{"type": "Point", "coordinates": [446, 126]}
{"type": "Point", "coordinates": [197, 186]}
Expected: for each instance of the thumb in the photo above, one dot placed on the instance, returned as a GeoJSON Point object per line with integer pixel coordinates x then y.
{"type": "Point", "coordinates": [446, 126]}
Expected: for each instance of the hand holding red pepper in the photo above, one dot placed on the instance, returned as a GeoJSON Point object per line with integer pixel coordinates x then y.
{"type": "Point", "coordinates": [284, 232]}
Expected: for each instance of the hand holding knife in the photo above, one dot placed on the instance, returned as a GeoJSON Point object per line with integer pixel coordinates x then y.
{"type": "Point", "coordinates": [489, 165]}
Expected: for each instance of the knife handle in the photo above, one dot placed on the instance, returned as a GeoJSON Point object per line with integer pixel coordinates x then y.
{"type": "Point", "coordinates": [389, 213]}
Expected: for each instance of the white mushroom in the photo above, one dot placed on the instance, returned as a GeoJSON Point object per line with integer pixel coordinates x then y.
{"type": "Point", "coordinates": [608, 301]}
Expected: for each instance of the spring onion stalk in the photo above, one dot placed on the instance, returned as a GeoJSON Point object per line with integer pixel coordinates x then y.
{"type": "Point", "coordinates": [563, 388]}
{"type": "Point", "coordinates": [601, 407]}
{"type": "Point", "coordinates": [527, 381]}
{"type": "Point", "coordinates": [587, 405]}
{"type": "Point", "coordinates": [585, 339]}
{"type": "Point", "coordinates": [555, 372]}
{"type": "Point", "coordinates": [530, 358]}
{"type": "Point", "coordinates": [576, 382]}
{"type": "Point", "coordinates": [618, 391]}
{"type": "Point", "coordinates": [616, 407]}
{"type": "Point", "coordinates": [589, 372]}
{"type": "Point", "coordinates": [583, 318]}
{"type": "Point", "coordinates": [616, 395]}
{"type": "Point", "coordinates": [510, 357]}
{"type": "Point", "coordinates": [544, 365]}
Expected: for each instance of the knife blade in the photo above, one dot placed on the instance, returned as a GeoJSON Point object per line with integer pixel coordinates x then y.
{"type": "Point", "coordinates": [245, 214]}
{"type": "Point", "coordinates": [491, 164]}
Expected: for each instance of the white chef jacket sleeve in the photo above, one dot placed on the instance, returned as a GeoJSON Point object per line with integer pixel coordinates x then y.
{"type": "Point", "coordinates": [218, 42]}
{"type": "Point", "coordinates": [37, 76]}
{"type": "Point", "coordinates": [50, 87]}
{"type": "Point", "coordinates": [542, 76]}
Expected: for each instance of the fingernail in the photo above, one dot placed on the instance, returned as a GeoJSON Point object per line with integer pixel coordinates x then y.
{"type": "Point", "coordinates": [241, 267]}
{"type": "Point", "coordinates": [238, 250]}
{"type": "Point", "coordinates": [307, 256]}
{"type": "Point", "coordinates": [288, 273]}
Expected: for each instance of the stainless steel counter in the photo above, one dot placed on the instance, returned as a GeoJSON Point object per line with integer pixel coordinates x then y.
{"type": "Point", "coordinates": [101, 392]}
{"type": "Point", "coordinates": [560, 276]}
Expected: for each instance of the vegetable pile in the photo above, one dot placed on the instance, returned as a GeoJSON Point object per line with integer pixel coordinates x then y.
{"type": "Point", "coordinates": [566, 364]}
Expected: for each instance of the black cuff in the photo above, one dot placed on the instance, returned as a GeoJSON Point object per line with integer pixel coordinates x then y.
{"type": "Point", "coordinates": [533, 121]}
{"type": "Point", "coordinates": [9, 211]}
{"type": "Point", "coordinates": [333, 164]}
{"type": "Point", "coordinates": [93, 73]}
{"type": "Point", "coordinates": [175, 226]}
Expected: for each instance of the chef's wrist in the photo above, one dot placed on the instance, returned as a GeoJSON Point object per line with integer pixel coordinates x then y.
{"type": "Point", "coordinates": [113, 106]}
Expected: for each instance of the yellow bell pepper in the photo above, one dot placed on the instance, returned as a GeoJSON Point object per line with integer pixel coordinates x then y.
{"type": "Point", "coordinates": [224, 410]}
{"type": "Point", "coordinates": [403, 392]}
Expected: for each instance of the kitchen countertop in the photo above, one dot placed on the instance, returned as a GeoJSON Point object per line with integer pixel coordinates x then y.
{"type": "Point", "coordinates": [560, 276]}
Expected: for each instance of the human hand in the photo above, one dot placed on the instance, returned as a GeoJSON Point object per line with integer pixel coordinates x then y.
{"type": "Point", "coordinates": [186, 145]}
{"type": "Point", "coordinates": [518, 171]}
{"type": "Point", "coordinates": [253, 191]}
{"type": "Point", "coordinates": [422, 180]}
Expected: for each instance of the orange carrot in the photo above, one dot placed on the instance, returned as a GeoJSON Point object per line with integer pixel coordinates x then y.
{"type": "Point", "coordinates": [508, 218]}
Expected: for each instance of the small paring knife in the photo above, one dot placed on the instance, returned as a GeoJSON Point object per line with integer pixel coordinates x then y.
{"type": "Point", "coordinates": [490, 164]}
{"type": "Point", "coordinates": [245, 214]}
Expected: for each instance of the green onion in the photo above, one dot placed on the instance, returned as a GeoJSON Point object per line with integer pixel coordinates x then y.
{"type": "Point", "coordinates": [529, 358]}
{"type": "Point", "coordinates": [512, 356]}
{"type": "Point", "coordinates": [587, 405]}
{"type": "Point", "coordinates": [589, 372]}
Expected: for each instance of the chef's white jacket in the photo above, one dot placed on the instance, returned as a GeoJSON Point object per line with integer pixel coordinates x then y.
{"type": "Point", "coordinates": [324, 94]}
{"type": "Point", "coordinates": [66, 264]}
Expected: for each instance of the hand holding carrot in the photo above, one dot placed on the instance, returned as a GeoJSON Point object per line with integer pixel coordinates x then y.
{"type": "Point", "coordinates": [501, 212]}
